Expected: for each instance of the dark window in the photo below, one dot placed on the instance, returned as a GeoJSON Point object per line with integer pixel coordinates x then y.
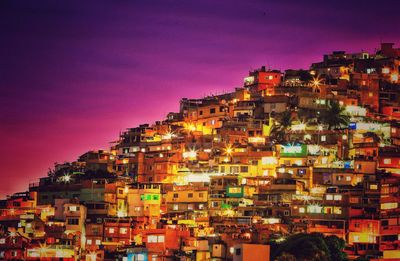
{"type": "Point", "coordinates": [175, 195]}
{"type": "Point", "coordinates": [238, 251]}
{"type": "Point", "coordinates": [200, 112]}
{"type": "Point", "coordinates": [73, 221]}
{"type": "Point", "coordinates": [190, 195]}
{"type": "Point", "coordinates": [212, 110]}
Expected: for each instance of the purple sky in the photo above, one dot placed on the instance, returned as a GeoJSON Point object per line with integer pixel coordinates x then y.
{"type": "Point", "coordinates": [75, 73]}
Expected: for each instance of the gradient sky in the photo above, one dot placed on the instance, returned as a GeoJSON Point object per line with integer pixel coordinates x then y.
{"type": "Point", "coordinates": [74, 73]}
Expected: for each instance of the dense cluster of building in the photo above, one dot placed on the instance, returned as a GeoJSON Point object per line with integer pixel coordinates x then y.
{"type": "Point", "coordinates": [313, 150]}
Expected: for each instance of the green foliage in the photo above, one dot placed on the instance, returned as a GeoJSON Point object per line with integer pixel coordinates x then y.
{"type": "Point", "coordinates": [278, 131]}
{"type": "Point", "coordinates": [310, 247]}
{"type": "Point", "coordinates": [335, 116]}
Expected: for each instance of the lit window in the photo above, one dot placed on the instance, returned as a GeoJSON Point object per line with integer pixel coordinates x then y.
{"type": "Point", "coordinates": [151, 239]}
{"type": "Point", "coordinates": [385, 70]}
{"type": "Point", "coordinates": [356, 238]}
{"type": "Point", "coordinates": [302, 210]}
{"type": "Point", "coordinates": [391, 205]}
{"type": "Point", "coordinates": [348, 178]}
{"type": "Point", "coordinates": [140, 257]}
{"type": "Point", "coordinates": [337, 197]}
{"type": "Point", "coordinates": [98, 241]}
{"type": "Point", "coordinates": [72, 208]}
{"type": "Point", "coordinates": [337, 210]}
{"type": "Point", "coordinates": [161, 239]}
{"type": "Point", "coordinates": [89, 241]}
{"type": "Point", "coordinates": [387, 161]}
{"type": "Point", "coordinates": [323, 138]}
{"type": "Point", "coordinates": [329, 197]}
{"type": "Point", "coordinates": [373, 186]}
{"type": "Point", "coordinates": [2, 240]}
{"type": "Point", "coordinates": [111, 230]}
{"type": "Point", "coordinates": [123, 230]}
{"type": "Point", "coordinates": [175, 207]}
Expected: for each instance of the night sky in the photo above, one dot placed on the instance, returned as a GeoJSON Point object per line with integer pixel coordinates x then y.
{"type": "Point", "coordinates": [73, 74]}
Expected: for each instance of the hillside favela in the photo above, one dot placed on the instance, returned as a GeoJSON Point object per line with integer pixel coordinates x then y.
{"type": "Point", "coordinates": [288, 165]}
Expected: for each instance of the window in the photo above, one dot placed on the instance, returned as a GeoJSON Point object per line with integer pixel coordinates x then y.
{"type": "Point", "coordinates": [387, 161]}
{"type": "Point", "coordinates": [212, 110]}
{"type": "Point", "coordinates": [238, 251]}
{"type": "Point", "coordinates": [73, 208]}
{"type": "Point", "coordinates": [286, 213]}
{"type": "Point", "coordinates": [155, 239]}
{"type": "Point", "coordinates": [337, 197]}
{"type": "Point", "coordinates": [151, 239]}
{"type": "Point", "coordinates": [323, 138]}
{"type": "Point", "coordinates": [348, 178]}
{"type": "Point", "coordinates": [111, 230]}
{"type": "Point", "coordinates": [190, 207]}
{"type": "Point", "coordinates": [373, 186]}
{"type": "Point", "coordinates": [98, 241]}
{"type": "Point", "coordinates": [161, 239]}
{"type": "Point", "coordinates": [391, 205]}
{"type": "Point", "coordinates": [244, 169]}
{"type": "Point", "coordinates": [123, 230]}
{"type": "Point", "coordinates": [201, 194]}
{"type": "Point", "coordinates": [302, 210]}
{"type": "Point", "coordinates": [190, 195]}
{"type": "Point", "coordinates": [89, 241]}
{"type": "Point", "coordinates": [176, 195]}
{"type": "Point", "coordinates": [329, 197]}
{"type": "Point", "coordinates": [201, 206]}
{"type": "Point", "coordinates": [2, 240]}
{"type": "Point", "coordinates": [200, 112]}
{"type": "Point", "coordinates": [356, 239]}
{"type": "Point", "coordinates": [72, 221]}
{"type": "Point", "coordinates": [140, 257]}
{"type": "Point", "coordinates": [337, 210]}
{"type": "Point", "coordinates": [175, 207]}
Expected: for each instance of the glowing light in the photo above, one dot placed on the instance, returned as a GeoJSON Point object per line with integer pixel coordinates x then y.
{"type": "Point", "coordinates": [121, 213]}
{"type": "Point", "coordinates": [320, 127]}
{"type": "Point", "coordinates": [316, 82]}
{"type": "Point", "coordinates": [394, 77]}
{"type": "Point", "coordinates": [299, 127]}
{"type": "Point", "coordinates": [66, 178]}
{"type": "Point", "coordinates": [168, 136]}
{"type": "Point", "coordinates": [191, 154]}
{"type": "Point", "coordinates": [228, 150]}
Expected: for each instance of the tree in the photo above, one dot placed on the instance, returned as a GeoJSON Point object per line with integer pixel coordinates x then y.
{"type": "Point", "coordinates": [335, 116]}
{"type": "Point", "coordinates": [278, 131]}
{"type": "Point", "coordinates": [312, 246]}
{"type": "Point", "coordinates": [285, 257]}
{"type": "Point", "coordinates": [336, 245]}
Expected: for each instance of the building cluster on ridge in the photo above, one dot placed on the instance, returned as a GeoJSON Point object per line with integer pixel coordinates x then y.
{"type": "Point", "coordinates": [302, 151]}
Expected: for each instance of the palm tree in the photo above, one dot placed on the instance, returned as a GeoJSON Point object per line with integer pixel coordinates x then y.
{"type": "Point", "coordinates": [335, 116]}
{"type": "Point", "coordinates": [279, 131]}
